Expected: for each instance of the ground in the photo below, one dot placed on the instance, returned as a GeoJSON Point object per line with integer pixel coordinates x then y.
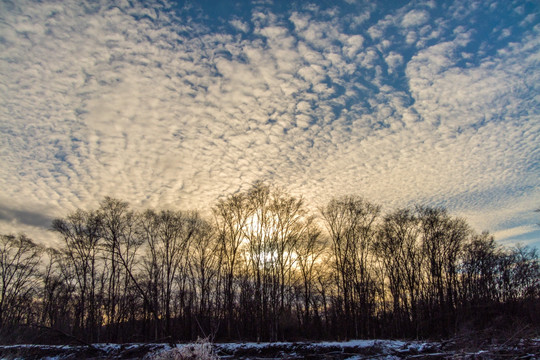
{"type": "Point", "coordinates": [356, 349]}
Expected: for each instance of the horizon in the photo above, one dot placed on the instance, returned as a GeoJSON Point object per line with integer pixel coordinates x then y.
{"type": "Point", "coordinates": [176, 104]}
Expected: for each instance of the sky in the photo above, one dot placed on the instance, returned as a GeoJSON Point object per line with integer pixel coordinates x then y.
{"type": "Point", "coordinates": [176, 104]}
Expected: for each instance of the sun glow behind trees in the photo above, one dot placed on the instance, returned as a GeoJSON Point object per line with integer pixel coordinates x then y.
{"type": "Point", "coordinates": [265, 268]}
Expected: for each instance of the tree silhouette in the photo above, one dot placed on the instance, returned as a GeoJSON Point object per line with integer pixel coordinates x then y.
{"type": "Point", "coordinates": [264, 268]}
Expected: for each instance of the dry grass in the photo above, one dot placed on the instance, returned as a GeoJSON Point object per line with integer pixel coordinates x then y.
{"type": "Point", "coordinates": [201, 350]}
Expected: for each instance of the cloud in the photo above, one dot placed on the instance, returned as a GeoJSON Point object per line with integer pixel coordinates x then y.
{"type": "Point", "coordinates": [240, 25]}
{"type": "Point", "coordinates": [393, 60]}
{"type": "Point", "coordinates": [415, 18]}
{"type": "Point", "coordinates": [31, 218]}
{"type": "Point", "coordinates": [167, 108]}
{"type": "Point", "coordinates": [513, 236]}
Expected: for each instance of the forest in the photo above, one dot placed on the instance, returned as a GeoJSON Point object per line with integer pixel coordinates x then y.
{"type": "Point", "coordinates": [263, 266]}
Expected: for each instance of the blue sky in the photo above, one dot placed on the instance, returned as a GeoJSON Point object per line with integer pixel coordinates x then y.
{"type": "Point", "coordinates": [175, 104]}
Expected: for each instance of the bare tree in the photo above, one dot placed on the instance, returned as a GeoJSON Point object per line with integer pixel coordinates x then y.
{"type": "Point", "coordinates": [149, 224]}
{"type": "Point", "coordinates": [442, 240]}
{"type": "Point", "coordinates": [57, 292]}
{"type": "Point", "coordinates": [525, 272]}
{"type": "Point", "coordinates": [118, 230]}
{"type": "Point", "coordinates": [351, 224]}
{"type": "Point", "coordinates": [275, 223]}
{"type": "Point", "coordinates": [291, 222]}
{"type": "Point", "coordinates": [266, 271]}
{"type": "Point", "coordinates": [175, 232]}
{"type": "Point", "coordinates": [19, 260]}
{"type": "Point", "coordinates": [309, 251]}
{"type": "Point", "coordinates": [81, 234]}
{"type": "Point", "coordinates": [231, 217]}
{"type": "Point", "coordinates": [203, 264]}
{"type": "Point", "coordinates": [397, 249]}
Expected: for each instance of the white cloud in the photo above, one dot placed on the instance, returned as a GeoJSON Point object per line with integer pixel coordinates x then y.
{"type": "Point", "coordinates": [358, 20]}
{"type": "Point", "coordinates": [514, 232]}
{"type": "Point", "coordinates": [375, 32]}
{"type": "Point", "coordinates": [164, 112]}
{"type": "Point", "coordinates": [394, 60]}
{"type": "Point", "coordinates": [415, 18]}
{"type": "Point", "coordinates": [240, 25]}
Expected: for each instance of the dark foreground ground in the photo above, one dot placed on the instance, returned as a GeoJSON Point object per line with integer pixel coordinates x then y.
{"type": "Point", "coordinates": [358, 349]}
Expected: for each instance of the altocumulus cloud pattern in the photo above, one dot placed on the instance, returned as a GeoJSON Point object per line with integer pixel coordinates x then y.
{"type": "Point", "coordinates": [174, 104]}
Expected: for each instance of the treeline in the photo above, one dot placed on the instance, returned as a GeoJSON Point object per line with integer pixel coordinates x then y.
{"type": "Point", "coordinates": [263, 268]}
